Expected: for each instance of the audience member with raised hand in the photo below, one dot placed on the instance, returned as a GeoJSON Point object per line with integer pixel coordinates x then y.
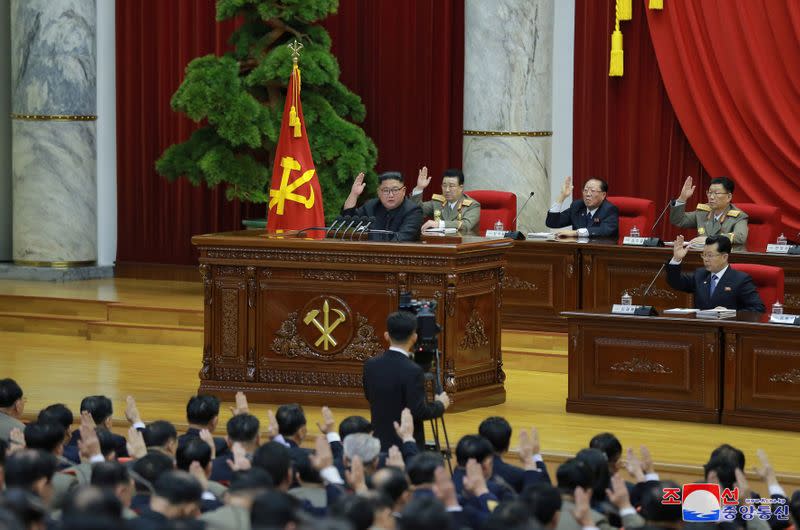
{"type": "Point", "coordinates": [202, 413]}
{"type": "Point", "coordinates": [355, 476]}
{"type": "Point", "coordinates": [161, 436]}
{"type": "Point", "coordinates": [176, 497]}
{"type": "Point", "coordinates": [532, 461]}
{"type": "Point", "coordinates": [31, 470]}
{"type": "Point", "coordinates": [240, 404]}
{"type": "Point", "coordinates": [101, 410]}
{"type": "Point", "coordinates": [394, 458]}
{"type": "Point", "coordinates": [195, 457]}
{"type": "Point", "coordinates": [242, 428]}
{"type": "Point", "coordinates": [49, 437]}
{"type": "Point", "coordinates": [766, 473]}
{"type": "Point", "coordinates": [657, 514]}
{"type": "Point", "coordinates": [544, 504]}
{"type": "Point", "coordinates": [239, 497]}
{"type": "Point", "coordinates": [292, 428]}
{"type": "Point", "coordinates": [116, 477]}
{"type": "Point", "coordinates": [135, 443]}
{"type": "Point", "coordinates": [478, 448]}
{"type": "Point", "coordinates": [12, 405]}
{"type": "Point", "coordinates": [581, 509]}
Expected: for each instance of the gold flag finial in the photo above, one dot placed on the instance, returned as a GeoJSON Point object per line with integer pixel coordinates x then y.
{"type": "Point", "coordinates": [295, 47]}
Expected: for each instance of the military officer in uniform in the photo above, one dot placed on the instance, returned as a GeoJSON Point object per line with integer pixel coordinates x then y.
{"type": "Point", "coordinates": [451, 209]}
{"type": "Point", "coordinates": [717, 217]}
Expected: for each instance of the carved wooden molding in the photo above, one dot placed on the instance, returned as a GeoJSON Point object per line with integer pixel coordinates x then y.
{"type": "Point", "coordinates": [791, 300]}
{"type": "Point", "coordinates": [427, 279]}
{"type": "Point", "coordinates": [477, 276]}
{"type": "Point", "coordinates": [654, 292]}
{"type": "Point", "coordinates": [205, 273]}
{"type": "Point", "coordinates": [791, 377]}
{"type": "Point", "coordinates": [323, 275]}
{"type": "Point", "coordinates": [229, 373]}
{"type": "Point", "coordinates": [464, 382]}
{"type": "Point", "coordinates": [514, 282]}
{"type": "Point", "coordinates": [288, 342]}
{"type": "Point", "coordinates": [501, 375]}
{"type": "Point", "coordinates": [338, 257]}
{"type": "Point", "coordinates": [639, 364]}
{"type": "Point", "coordinates": [229, 329]}
{"type": "Point", "coordinates": [474, 334]}
{"type": "Point", "coordinates": [294, 377]}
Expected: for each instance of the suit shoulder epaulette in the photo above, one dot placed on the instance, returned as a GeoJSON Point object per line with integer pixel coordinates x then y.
{"type": "Point", "coordinates": [468, 202]}
{"type": "Point", "coordinates": [440, 198]}
{"type": "Point", "coordinates": [704, 207]}
{"type": "Point", "coordinates": [734, 213]}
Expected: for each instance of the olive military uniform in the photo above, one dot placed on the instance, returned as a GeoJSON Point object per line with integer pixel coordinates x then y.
{"type": "Point", "coordinates": [734, 222]}
{"type": "Point", "coordinates": [465, 217]}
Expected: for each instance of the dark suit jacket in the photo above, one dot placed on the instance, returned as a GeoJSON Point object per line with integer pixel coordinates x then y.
{"type": "Point", "coordinates": [220, 444]}
{"type": "Point", "coordinates": [393, 382]}
{"type": "Point", "coordinates": [405, 220]}
{"type": "Point", "coordinates": [605, 221]}
{"type": "Point", "coordinates": [517, 477]}
{"type": "Point", "coordinates": [72, 453]}
{"type": "Point", "coordinates": [735, 290]}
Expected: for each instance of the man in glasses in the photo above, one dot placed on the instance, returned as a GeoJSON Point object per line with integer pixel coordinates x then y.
{"type": "Point", "coordinates": [451, 209]}
{"type": "Point", "coordinates": [592, 216]}
{"type": "Point", "coordinates": [392, 210]}
{"type": "Point", "coordinates": [717, 217]}
{"type": "Point", "coordinates": [714, 284]}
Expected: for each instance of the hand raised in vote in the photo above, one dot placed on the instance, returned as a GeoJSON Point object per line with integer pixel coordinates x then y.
{"type": "Point", "coordinates": [679, 250]}
{"type": "Point", "coordinates": [566, 189]}
{"type": "Point", "coordinates": [687, 190]}
{"type": "Point", "coordinates": [423, 179]}
{"type": "Point", "coordinates": [358, 185]}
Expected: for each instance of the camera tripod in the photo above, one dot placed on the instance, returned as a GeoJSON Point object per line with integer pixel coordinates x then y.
{"type": "Point", "coordinates": [437, 424]}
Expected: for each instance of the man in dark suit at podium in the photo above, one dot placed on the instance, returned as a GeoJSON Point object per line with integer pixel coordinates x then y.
{"type": "Point", "coordinates": [715, 284]}
{"type": "Point", "coordinates": [393, 381]}
{"type": "Point", "coordinates": [592, 216]}
{"type": "Point", "coordinates": [392, 210]}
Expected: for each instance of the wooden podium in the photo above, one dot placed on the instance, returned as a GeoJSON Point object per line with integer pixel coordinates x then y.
{"type": "Point", "coordinates": [292, 320]}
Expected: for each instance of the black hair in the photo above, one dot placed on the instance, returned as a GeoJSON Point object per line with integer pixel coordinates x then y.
{"type": "Point", "coordinates": [401, 325]}
{"type": "Point", "coordinates": [92, 501]}
{"type": "Point", "coordinates": [243, 428]}
{"type": "Point", "coordinates": [290, 418]}
{"type": "Point", "coordinates": [27, 507]}
{"type": "Point", "coordinates": [58, 413]}
{"type": "Point", "coordinates": [724, 467]}
{"type": "Point", "coordinates": [573, 473]}
{"type": "Point", "coordinates": [509, 515]}
{"type": "Point", "coordinates": [395, 483]}
{"type": "Point", "coordinates": [498, 431]}
{"type": "Point", "coordinates": [355, 509]}
{"type": "Point", "coordinates": [390, 175]}
{"type": "Point", "coordinates": [542, 500]}
{"type": "Point", "coordinates": [108, 444]}
{"type": "Point", "coordinates": [421, 468]}
{"type": "Point", "coordinates": [274, 509]}
{"type": "Point", "coordinates": [473, 446]}
{"type": "Point", "coordinates": [99, 407]}
{"type": "Point", "coordinates": [254, 479]}
{"type": "Point", "coordinates": [725, 182]}
{"type": "Point", "coordinates": [24, 468]}
{"type": "Point", "coordinates": [722, 242]}
{"type": "Point", "coordinates": [794, 506]}
{"type": "Point", "coordinates": [10, 392]}
{"type": "Point", "coordinates": [178, 487]}
{"type": "Point", "coordinates": [274, 458]}
{"type": "Point", "coordinates": [731, 453]}
{"type": "Point", "coordinates": [453, 172]}
{"type": "Point", "coordinates": [194, 450]}
{"type": "Point", "coordinates": [598, 464]}
{"type": "Point", "coordinates": [354, 424]}
{"type": "Point", "coordinates": [159, 433]}
{"type": "Point", "coordinates": [609, 444]}
{"type": "Point", "coordinates": [150, 467]}
{"type": "Point", "coordinates": [603, 183]}
{"type": "Point", "coordinates": [110, 474]}
{"type": "Point", "coordinates": [424, 513]}
{"type": "Point", "coordinates": [47, 436]}
{"type": "Point", "coordinates": [301, 462]}
{"type": "Point", "coordinates": [201, 409]}
{"type": "Point", "coordinates": [652, 506]}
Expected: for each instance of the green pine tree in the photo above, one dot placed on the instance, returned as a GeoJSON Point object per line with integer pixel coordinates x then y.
{"type": "Point", "coordinates": [241, 96]}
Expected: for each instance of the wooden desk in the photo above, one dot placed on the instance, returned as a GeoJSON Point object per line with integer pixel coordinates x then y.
{"type": "Point", "coordinates": [545, 278]}
{"type": "Point", "coordinates": [712, 371]}
{"type": "Point", "coordinates": [269, 300]}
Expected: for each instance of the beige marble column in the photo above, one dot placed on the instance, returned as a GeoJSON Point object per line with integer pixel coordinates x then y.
{"type": "Point", "coordinates": [508, 75]}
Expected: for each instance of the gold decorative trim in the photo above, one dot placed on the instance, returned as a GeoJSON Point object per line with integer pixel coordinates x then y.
{"type": "Point", "coordinates": [508, 133]}
{"type": "Point", "coordinates": [53, 264]}
{"type": "Point", "coordinates": [53, 117]}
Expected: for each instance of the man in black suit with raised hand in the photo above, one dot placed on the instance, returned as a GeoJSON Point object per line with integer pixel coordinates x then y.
{"type": "Point", "coordinates": [393, 381]}
{"type": "Point", "coordinates": [392, 210]}
{"type": "Point", "coordinates": [592, 216]}
{"type": "Point", "coordinates": [715, 284]}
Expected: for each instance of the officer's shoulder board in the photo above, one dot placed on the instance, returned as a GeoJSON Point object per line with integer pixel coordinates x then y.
{"type": "Point", "coordinates": [704, 207]}
{"type": "Point", "coordinates": [734, 213]}
{"type": "Point", "coordinates": [468, 202]}
{"type": "Point", "coordinates": [440, 198]}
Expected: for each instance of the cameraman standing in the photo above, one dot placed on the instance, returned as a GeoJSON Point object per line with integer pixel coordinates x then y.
{"type": "Point", "coordinates": [393, 381]}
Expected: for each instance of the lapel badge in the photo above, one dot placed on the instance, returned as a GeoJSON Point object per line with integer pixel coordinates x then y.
{"type": "Point", "coordinates": [727, 289]}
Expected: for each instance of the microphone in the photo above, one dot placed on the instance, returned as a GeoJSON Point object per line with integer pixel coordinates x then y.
{"type": "Point", "coordinates": [516, 234]}
{"type": "Point", "coordinates": [365, 222]}
{"type": "Point", "coordinates": [358, 227]}
{"type": "Point", "coordinates": [339, 220]}
{"type": "Point", "coordinates": [345, 219]}
{"type": "Point", "coordinates": [655, 241]}
{"type": "Point", "coordinates": [344, 234]}
{"type": "Point", "coordinates": [648, 310]}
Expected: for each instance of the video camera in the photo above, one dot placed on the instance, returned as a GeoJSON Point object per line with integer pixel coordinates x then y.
{"type": "Point", "coordinates": [427, 346]}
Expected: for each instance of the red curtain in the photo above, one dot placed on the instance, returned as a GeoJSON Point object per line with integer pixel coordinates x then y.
{"type": "Point", "coordinates": [404, 58]}
{"type": "Point", "coordinates": [731, 70]}
{"type": "Point", "coordinates": [625, 129]}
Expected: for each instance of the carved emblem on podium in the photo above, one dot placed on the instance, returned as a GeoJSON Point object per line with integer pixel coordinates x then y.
{"type": "Point", "coordinates": [639, 364]}
{"type": "Point", "coordinates": [474, 334]}
{"type": "Point", "coordinates": [326, 327]}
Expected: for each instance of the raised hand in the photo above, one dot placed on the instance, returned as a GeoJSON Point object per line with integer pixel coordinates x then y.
{"type": "Point", "coordinates": [322, 457]}
{"type": "Point", "coordinates": [528, 446]}
{"type": "Point", "coordinates": [328, 423]}
{"type": "Point", "coordinates": [764, 469]}
{"type": "Point", "coordinates": [358, 185]}
{"type": "Point", "coordinates": [742, 483]}
{"type": "Point", "coordinates": [197, 471]}
{"type": "Point", "coordinates": [405, 429]}
{"type": "Point", "coordinates": [423, 179]}
{"type": "Point", "coordinates": [208, 438]}
{"type": "Point", "coordinates": [241, 406]}
{"type": "Point", "coordinates": [618, 493]}
{"type": "Point", "coordinates": [395, 457]}
{"type": "Point", "coordinates": [679, 250]}
{"type": "Point", "coordinates": [240, 461]}
{"type": "Point", "coordinates": [89, 444]}
{"type": "Point", "coordinates": [581, 511]}
{"type": "Point", "coordinates": [135, 444]}
{"type": "Point", "coordinates": [634, 466]}
{"type": "Point", "coordinates": [17, 440]}
{"type": "Point", "coordinates": [647, 460]}
{"type": "Point", "coordinates": [132, 411]}
{"type": "Point", "coordinates": [272, 425]}
{"type": "Point", "coordinates": [355, 475]}
{"type": "Point", "coordinates": [474, 481]}
{"type": "Point", "coordinates": [444, 489]}
{"type": "Point", "coordinates": [687, 190]}
{"type": "Point", "coordinates": [566, 189]}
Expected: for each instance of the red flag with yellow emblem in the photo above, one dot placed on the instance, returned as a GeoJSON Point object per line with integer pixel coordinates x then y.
{"type": "Point", "coordinates": [295, 197]}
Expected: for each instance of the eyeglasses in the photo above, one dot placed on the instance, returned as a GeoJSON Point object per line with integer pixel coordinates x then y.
{"type": "Point", "coordinates": [390, 191]}
{"type": "Point", "coordinates": [716, 193]}
{"type": "Point", "coordinates": [592, 191]}
{"type": "Point", "coordinates": [450, 186]}
{"type": "Point", "coordinates": [709, 256]}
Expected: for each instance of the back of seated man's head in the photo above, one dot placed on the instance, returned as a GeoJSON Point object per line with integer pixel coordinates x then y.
{"type": "Point", "coordinates": [423, 513]}
{"type": "Point", "coordinates": [150, 467]}
{"type": "Point", "coordinates": [194, 450]}
{"type": "Point", "coordinates": [543, 502]}
{"type": "Point", "coordinates": [202, 410]}
{"type": "Point", "coordinates": [498, 431]}
{"type": "Point", "coordinates": [161, 434]}
{"type": "Point", "coordinates": [32, 470]}
{"type": "Point", "coordinates": [573, 473]}
{"type": "Point", "coordinates": [355, 509]}
{"type": "Point", "coordinates": [58, 413]}
{"type": "Point", "coordinates": [391, 481]}
{"type": "Point", "coordinates": [11, 396]}
{"type": "Point", "coordinates": [28, 509]}
{"type": "Point", "coordinates": [113, 476]}
{"type": "Point", "coordinates": [93, 501]}
{"type": "Point", "coordinates": [354, 424]}
{"type": "Point", "coordinates": [101, 409]}
{"type": "Point", "coordinates": [275, 509]}
{"type": "Point", "coordinates": [598, 464]}
{"type": "Point", "coordinates": [243, 428]}
{"type": "Point", "coordinates": [177, 495]}
{"type": "Point", "coordinates": [304, 470]}
{"type": "Point", "coordinates": [725, 469]}
{"type": "Point", "coordinates": [421, 468]}
{"type": "Point", "coordinates": [274, 458]}
{"type": "Point", "coordinates": [794, 506]}
{"type": "Point", "coordinates": [364, 446]}
{"type": "Point", "coordinates": [291, 420]}
{"type": "Point", "coordinates": [510, 515]}
{"type": "Point", "coordinates": [653, 509]}
{"type": "Point", "coordinates": [728, 452]}
{"type": "Point", "coordinates": [45, 435]}
{"type": "Point", "coordinates": [108, 445]}
{"type": "Point", "coordinates": [473, 446]}
{"type": "Point", "coordinates": [250, 483]}
{"type": "Point", "coordinates": [400, 326]}
{"type": "Point", "coordinates": [609, 444]}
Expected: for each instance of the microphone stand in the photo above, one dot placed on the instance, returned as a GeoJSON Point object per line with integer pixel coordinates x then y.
{"type": "Point", "coordinates": [516, 234]}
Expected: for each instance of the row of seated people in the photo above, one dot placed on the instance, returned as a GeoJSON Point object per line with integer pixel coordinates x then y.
{"type": "Point", "coordinates": [749, 226]}
{"type": "Point", "coordinates": [267, 479]}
